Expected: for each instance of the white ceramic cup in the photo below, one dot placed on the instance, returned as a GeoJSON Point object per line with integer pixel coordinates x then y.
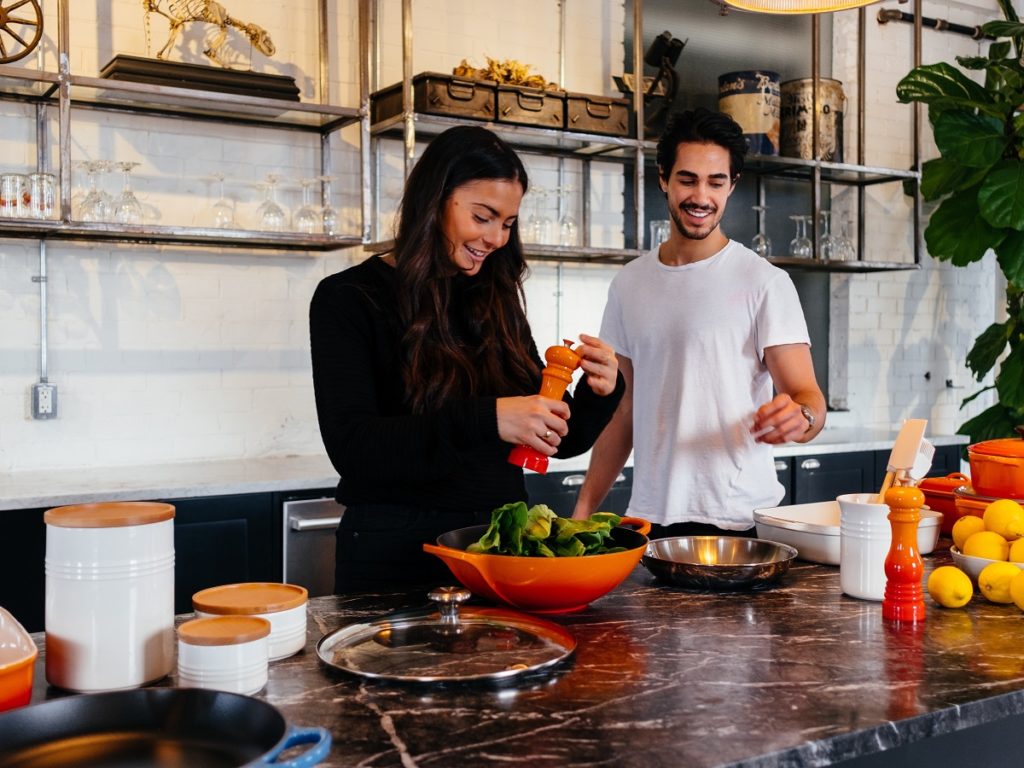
{"type": "Point", "coordinates": [864, 539]}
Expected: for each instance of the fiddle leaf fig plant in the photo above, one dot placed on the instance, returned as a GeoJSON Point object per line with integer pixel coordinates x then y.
{"type": "Point", "coordinates": [979, 179]}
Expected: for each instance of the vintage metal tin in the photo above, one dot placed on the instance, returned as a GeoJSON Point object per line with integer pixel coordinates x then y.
{"type": "Point", "coordinates": [434, 93]}
{"type": "Point", "coordinates": [797, 109]}
{"type": "Point", "coordinates": [531, 106]}
{"type": "Point", "coordinates": [751, 98]}
{"type": "Point", "coordinates": [597, 114]}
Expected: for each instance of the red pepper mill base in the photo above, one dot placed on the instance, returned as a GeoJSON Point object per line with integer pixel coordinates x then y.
{"type": "Point", "coordinates": [904, 569]}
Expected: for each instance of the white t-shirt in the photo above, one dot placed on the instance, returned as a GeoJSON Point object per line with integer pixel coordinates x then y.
{"type": "Point", "coordinates": [696, 336]}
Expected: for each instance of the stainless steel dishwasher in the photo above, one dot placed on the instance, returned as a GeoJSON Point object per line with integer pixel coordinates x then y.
{"type": "Point", "coordinates": [308, 540]}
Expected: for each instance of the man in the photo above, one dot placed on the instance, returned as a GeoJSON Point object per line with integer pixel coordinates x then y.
{"type": "Point", "coordinates": [703, 328]}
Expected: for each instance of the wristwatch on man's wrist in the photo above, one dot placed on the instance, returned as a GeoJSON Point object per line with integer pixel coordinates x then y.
{"type": "Point", "coordinates": [809, 415]}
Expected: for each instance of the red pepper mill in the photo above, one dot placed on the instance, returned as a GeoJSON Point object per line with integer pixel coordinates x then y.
{"type": "Point", "coordinates": [904, 569]}
{"type": "Point", "coordinates": [555, 377]}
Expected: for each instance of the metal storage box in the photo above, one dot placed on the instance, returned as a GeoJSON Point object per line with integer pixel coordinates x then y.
{"type": "Point", "coordinates": [438, 94]}
{"type": "Point", "coordinates": [597, 114]}
{"type": "Point", "coordinates": [531, 106]}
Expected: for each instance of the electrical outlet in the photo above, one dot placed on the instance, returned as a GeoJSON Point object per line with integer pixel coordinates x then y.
{"type": "Point", "coordinates": [44, 401]}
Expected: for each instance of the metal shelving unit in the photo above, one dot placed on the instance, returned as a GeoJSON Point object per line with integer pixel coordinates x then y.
{"type": "Point", "coordinates": [565, 145]}
{"type": "Point", "coordinates": [67, 92]}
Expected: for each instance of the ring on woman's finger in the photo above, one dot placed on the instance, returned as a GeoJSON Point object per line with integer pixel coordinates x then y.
{"type": "Point", "coordinates": [547, 434]}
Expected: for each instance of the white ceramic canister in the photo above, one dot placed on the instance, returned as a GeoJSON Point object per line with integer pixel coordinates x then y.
{"type": "Point", "coordinates": [865, 536]}
{"type": "Point", "coordinates": [283, 605]}
{"type": "Point", "coordinates": [109, 595]}
{"type": "Point", "coordinates": [224, 653]}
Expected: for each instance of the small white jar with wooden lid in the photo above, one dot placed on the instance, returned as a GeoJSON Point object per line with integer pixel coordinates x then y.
{"type": "Point", "coordinates": [224, 653]}
{"type": "Point", "coordinates": [283, 605]}
{"type": "Point", "coordinates": [109, 595]}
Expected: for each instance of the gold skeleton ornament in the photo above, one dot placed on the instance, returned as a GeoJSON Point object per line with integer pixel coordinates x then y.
{"type": "Point", "coordinates": [180, 12]}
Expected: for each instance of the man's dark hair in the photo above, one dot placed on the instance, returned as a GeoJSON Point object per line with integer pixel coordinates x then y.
{"type": "Point", "coordinates": [701, 126]}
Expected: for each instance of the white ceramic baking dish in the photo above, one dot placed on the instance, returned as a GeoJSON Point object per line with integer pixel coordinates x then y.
{"type": "Point", "coordinates": [814, 529]}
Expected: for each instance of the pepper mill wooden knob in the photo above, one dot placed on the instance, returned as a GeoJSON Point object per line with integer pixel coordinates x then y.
{"type": "Point", "coordinates": [904, 569]}
{"type": "Point", "coordinates": [555, 378]}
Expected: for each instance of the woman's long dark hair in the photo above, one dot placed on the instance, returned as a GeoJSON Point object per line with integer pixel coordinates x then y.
{"type": "Point", "coordinates": [463, 335]}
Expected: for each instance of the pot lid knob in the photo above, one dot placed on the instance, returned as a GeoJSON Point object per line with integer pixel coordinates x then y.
{"type": "Point", "coordinates": [448, 600]}
{"type": "Point", "coordinates": [1019, 429]}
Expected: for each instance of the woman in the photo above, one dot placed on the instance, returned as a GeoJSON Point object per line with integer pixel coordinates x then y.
{"type": "Point", "coordinates": [425, 372]}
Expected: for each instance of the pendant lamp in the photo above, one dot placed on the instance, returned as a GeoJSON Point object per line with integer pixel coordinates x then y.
{"type": "Point", "coordinates": [794, 6]}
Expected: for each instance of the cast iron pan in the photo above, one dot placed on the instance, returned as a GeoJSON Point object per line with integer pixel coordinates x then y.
{"type": "Point", "coordinates": [147, 727]}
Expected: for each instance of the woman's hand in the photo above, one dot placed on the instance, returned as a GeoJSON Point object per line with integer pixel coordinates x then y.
{"type": "Point", "coordinates": [599, 364]}
{"type": "Point", "coordinates": [536, 421]}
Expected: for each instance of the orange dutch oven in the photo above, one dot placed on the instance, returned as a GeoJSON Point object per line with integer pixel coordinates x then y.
{"type": "Point", "coordinates": [541, 584]}
{"type": "Point", "coordinates": [997, 467]}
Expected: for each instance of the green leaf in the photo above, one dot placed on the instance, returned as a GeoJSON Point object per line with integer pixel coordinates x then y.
{"type": "Point", "coordinates": [1010, 253]}
{"type": "Point", "coordinates": [944, 85]}
{"type": "Point", "coordinates": [976, 395]}
{"type": "Point", "coordinates": [1003, 28]}
{"type": "Point", "coordinates": [941, 176]}
{"type": "Point", "coordinates": [995, 422]}
{"type": "Point", "coordinates": [974, 140]}
{"type": "Point", "coordinates": [973, 62]}
{"type": "Point", "coordinates": [956, 231]}
{"type": "Point", "coordinates": [987, 349]}
{"type": "Point", "coordinates": [1001, 195]}
{"type": "Point", "coordinates": [1010, 380]}
{"type": "Point", "coordinates": [999, 50]}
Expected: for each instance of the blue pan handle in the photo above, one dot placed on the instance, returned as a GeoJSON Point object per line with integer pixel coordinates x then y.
{"type": "Point", "coordinates": [320, 738]}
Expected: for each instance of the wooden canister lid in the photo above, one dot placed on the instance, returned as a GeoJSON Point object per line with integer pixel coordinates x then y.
{"type": "Point", "coordinates": [223, 630]}
{"type": "Point", "coordinates": [109, 514]}
{"type": "Point", "coordinates": [249, 598]}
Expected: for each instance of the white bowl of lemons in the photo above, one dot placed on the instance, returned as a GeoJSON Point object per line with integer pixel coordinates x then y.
{"type": "Point", "coordinates": [990, 549]}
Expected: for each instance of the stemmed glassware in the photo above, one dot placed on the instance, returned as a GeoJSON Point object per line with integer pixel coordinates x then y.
{"type": "Point", "coordinates": [761, 244]}
{"type": "Point", "coordinates": [271, 216]}
{"type": "Point", "coordinates": [568, 227]}
{"type": "Point", "coordinates": [801, 247]}
{"type": "Point", "coordinates": [330, 222]}
{"type": "Point", "coordinates": [222, 212]}
{"type": "Point", "coordinates": [846, 251]}
{"type": "Point", "coordinates": [829, 242]}
{"type": "Point", "coordinates": [127, 208]}
{"type": "Point", "coordinates": [96, 205]}
{"type": "Point", "coordinates": [307, 219]}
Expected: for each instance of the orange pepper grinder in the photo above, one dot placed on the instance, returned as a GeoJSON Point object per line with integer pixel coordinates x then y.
{"type": "Point", "coordinates": [556, 376]}
{"type": "Point", "coordinates": [904, 569]}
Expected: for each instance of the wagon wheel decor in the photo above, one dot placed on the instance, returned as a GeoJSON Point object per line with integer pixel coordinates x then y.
{"type": "Point", "coordinates": [21, 26]}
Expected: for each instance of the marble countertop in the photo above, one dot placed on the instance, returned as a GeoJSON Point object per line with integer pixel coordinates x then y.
{"type": "Point", "coordinates": [795, 675]}
{"type": "Point", "coordinates": [30, 490]}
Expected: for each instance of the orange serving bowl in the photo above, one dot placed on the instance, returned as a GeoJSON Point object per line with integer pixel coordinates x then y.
{"type": "Point", "coordinates": [17, 662]}
{"type": "Point", "coordinates": [541, 584]}
{"type": "Point", "coordinates": [997, 468]}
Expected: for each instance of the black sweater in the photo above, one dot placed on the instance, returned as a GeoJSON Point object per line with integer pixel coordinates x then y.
{"type": "Point", "coordinates": [451, 459]}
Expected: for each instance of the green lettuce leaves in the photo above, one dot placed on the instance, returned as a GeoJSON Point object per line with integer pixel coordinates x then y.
{"type": "Point", "coordinates": [539, 532]}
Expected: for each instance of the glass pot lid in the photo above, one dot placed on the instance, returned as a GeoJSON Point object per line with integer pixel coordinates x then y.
{"type": "Point", "coordinates": [447, 644]}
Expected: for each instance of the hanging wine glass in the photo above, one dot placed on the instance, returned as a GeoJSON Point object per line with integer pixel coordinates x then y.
{"type": "Point", "coordinates": [222, 211]}
{"type": "Point", "coordinates": [330, 222]}
{"type": "Point", "coordinates": [846, 249]}
{"type": "Point", "coordinates": [568, 227]}
{"type": "Point", "coordinates": [127, 208]}
{"type": "Point", "coordinates": [270, 216]}
{"type": "Point", "coordinates": [96, 205]}
{"type": "Point", "coordinates": [530, 231]}
{"type": "Point", "coordinates": [761, 244]}
{"type": "Point", "coordinates": [307, 218]}
{"type": "Point", "coordinates": [545, 224]}
{"type": "Point", "coordinates": [829, 242]}
{"type": "Point", "coordinates": [800, 246]}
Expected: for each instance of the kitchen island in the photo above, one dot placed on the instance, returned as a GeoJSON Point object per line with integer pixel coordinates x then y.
{"type": "Point", "coordinates": [795, 675]}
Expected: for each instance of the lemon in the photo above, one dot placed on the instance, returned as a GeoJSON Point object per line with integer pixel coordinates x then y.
{"type": "Point", "coordinates": [994, 581]}
{"type": "Point", "coordinates": [950, 587]}
{"type": "Point", "coordinates": [1017, 589]}
{"type": "Point", "coordinates": [1016, 552]}
{"type": "Point", "coordinates": [1005, 517]}
{"type": "Point", "coordinates": [987, 544]}
{"type": "Point", "coordinates": [964, 527]}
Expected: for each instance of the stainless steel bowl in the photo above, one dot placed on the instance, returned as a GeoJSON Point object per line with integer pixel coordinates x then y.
{"type": "Point", "coordinates": [717, 562]}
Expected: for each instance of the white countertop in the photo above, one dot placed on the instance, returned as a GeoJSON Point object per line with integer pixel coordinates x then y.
{"type": "Point", "coordinates": [30, 490]}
